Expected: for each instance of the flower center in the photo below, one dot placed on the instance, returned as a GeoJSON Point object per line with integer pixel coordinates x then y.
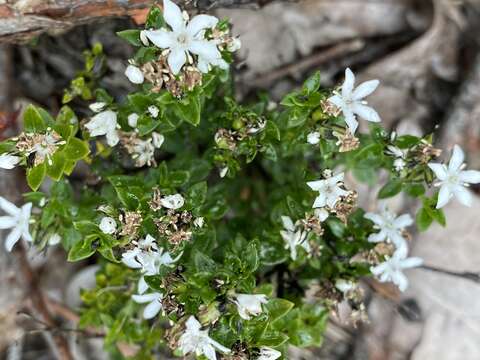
{"type": "Point", "coordinates": [182, 39]}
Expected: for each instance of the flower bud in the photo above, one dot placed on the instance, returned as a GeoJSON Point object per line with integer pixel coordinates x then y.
{"type": "Point", "coordinates": [134, 74]}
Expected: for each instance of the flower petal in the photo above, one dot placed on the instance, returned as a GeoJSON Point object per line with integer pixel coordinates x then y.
{"type": "Point", "coordinates": [350, 119]}
{"type": "Point", "coordinates": [411, 262]}
{"type": "Point", "coordinates": [316, 185]}
{"type": "Point", "coordinates": [444, 196]}
{"type": "Point", "coordinates": [145, 298]}
{"type": "Point", "coordinates": [377, 219]}
{"type": "Point", "coordinates": [161, 38]}
{"type": "Point", "coordinates": [152, 309]}
{"type": "Point", "coordinates": [201, 22]}
{"type": "Point", "coordinates": [337, 101]}
{"type": "Point", "coordinates": [176, 60]}
{"type": "Point", "coordinates": [440, 170]}
{"type": "Point", "coordinates": [400, 280]}
{"type": "Point", "coordinates": [320, 201]}
{"type": "Point", "coordinates": [457, 159]}
{"type": "Point", "coordinates": [366, 112]}
{"type": "Point", "coordinates": [403, 221]}
{"type": "Point", "coordinates": [192, 324]}
{"type": "Point", "coordinates": [205, 49]}
{"type": "Point", "coordinates": [365, 89]}
{"type": "Point", "coordinates": [142, 285]}
{"type": "Point", "coordinates": [470, 176]}
{"type": "Point", "coordinates": [7, 222]}
{"type": "Point", "coordinates": [347, 86]}
{"type": "Point", "coordinates": [463, 195]}
{"type": "Point", "coordinates": [219, 346]}
{"type": "Point", "coordinates": [9, 207]}
{"type": "Point", "coordinates": [173, 16]}
{"type": "Point", "coordinates": [12, 238]}
{"type": "Point", "coordinates": [378, 237]}
{"type": "Point", "coordinates": [209, 352]}
{"type": "Point", "coordinates": [112, 138]}
{"type": "Point", "coordinates": [288, 223]}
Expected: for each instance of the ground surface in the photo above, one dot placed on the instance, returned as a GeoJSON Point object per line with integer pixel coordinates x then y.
{"type": "Point", "coordinates": [424, 53]}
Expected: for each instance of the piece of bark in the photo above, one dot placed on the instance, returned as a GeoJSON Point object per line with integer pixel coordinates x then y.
{"type": "Point", "coordinates": [22, 20]}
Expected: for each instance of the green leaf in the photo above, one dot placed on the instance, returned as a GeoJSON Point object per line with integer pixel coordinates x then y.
{"type": "Point", "coordinates": [392, 188]}
{"type": "Point", "coordinates": [203, 263]}
{"type": "Point", "coordinates": [132, 36]}
{"type": "Point", "coordinates": [189, 109]}
{"type": "Point", "coordinates": [76, 149]}
{"type": "Point", "coordinates": [272, 339]}
{"type": "Point", "coordinates": [155, 18]}
{"type": "Point", "coordinates": [36, 175]}
{"type": "Point", "coordinates": [278, 308]}
{"type": "Point", "coordinates": [415, 190]}
{"type": "Point", "coordinates": [55, 170]}
{"type": "Point", "coordinates": [33, 120]}
{"type": "Point", "coordinates": [197, 194]}
{"type": "Point", "coordinates": [83, 248]}
{"type": "Point", "coordinates": [313, 83]}
{"type": "Point", "coordinates": [423, 219]}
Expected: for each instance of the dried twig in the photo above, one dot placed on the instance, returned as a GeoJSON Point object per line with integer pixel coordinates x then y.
{"type": "Point", "coordinates": [472, 276]}
{"type": "Point", "coordinates": [304, 64]}
{"type": "Point", "coordinates": [39, 303]}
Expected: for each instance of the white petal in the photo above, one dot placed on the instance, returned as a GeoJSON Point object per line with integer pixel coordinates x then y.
{"type": "Point", "coordinates": [377, 270]}
{"type": "Point", "coordinates": [173, 201]}
{"type": "Point", "coordinates": [337, 101]}
{"type": "Point", "coordinates": [145, 298]}
{"type": "Point", "coordinates": [365, 89]}
{"type": "Point", "coordinates": [209, 352]}
{"type": "Point", "coordinates": [470, 176]}
{"type": "Point", "coordinates": [463, 195]}
{"type": "Point", "coordinates": [457, 159]}
{"type": "Point", "coordinates": [377, 219]}
{"type": "Point", "coordinates": [173, 16]}
{"type": "Point", "coordinates": [142, 285]}
{"type": "Point", "coordinates": [403, 221]}
{"type": "Point", "coordinates": [7, 222]}
{"type": "Point", "coordinates": [366, 112]}
{"type": "Point", "coordinates": [134, 74]}
{"type": "Point", "coordinates": [176, 60]}
{"type": "Point", "coordinates": [8, 207]}
{"type": "Point", "coordinates": [288, 223]}
{"type": "Point", "coordinates": [219, 346]}
{"type": "Point", "coordinates": [157, 139]}
{"type": "Point", "coordinates": [112, 138]}
{"type": "Point", "coordinates": [201, 22]}
{"type": "Point", "coordinates": [401, 281]}
{"type": "Point", "coordinates": [161, 38]}
{"type": "Point", "coordinates": [321, 214]}
{"type": "Point", "coordinates": [192, 324]}
{"type": "Point", "coordinates": [203, 65]}
{"type": "Point", "coordinates": [440, 170]}
{"type": "Point", "coordinates": [316, 185]}
{"type": "Point", "coordinates": [320, 201]}
{"type": "Point", "coordinates": [313, 138]}
{"type": "Point", "coordinates": [152, 309]}
{"type": "Point", "coordinates": [205, 49]}
{"type": "Point", "coordinates": [132, 120]}
{"type": "Point", "coordinates": [347, 86]}
{"type": "Point", "coordinates": [350, 119]}
{"type": "Point", "coordinates": [411, 262]}
{"type": "Point", "coordinates": [378, 237]}
{"type": "Point", "coordinates": [336, 179]}
{"type": "Point", "coordinates": [444, 196]}
{"type": "Point", "coordinates": [8, 161]}
{"type": "Point", "coordinates": [12, 239]}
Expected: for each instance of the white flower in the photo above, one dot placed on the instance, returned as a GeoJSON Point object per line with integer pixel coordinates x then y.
{"type": "Point", "coordinates": [8, 161]}
{"type": "Point", "coordinates": [18, 220]}
{"type": "Point", "coordinates": [157, 139]}
{"type": "Point", "coordinates": [351, 102]}
{"type": "Point", "coordinates": [267, 353]}
{"type": "Point", "coordinates": [184, 39]}
{"type": "Point", "coordinates": [197, 341]}
{"type": "Point", "coordinates": [399, 154]}
{"type": "Point", "coordinates": [104, 123]}
{"type": "Point", "coordinates": [134, 74]}
{"type": "Point", "coordinates": [321, 214]}
{"type": "Point", "coordinates": [249, 305]}
{"type": "Point", "coordinates": [293, 237]}
{"type": "Point", "coordinates": [454, 179]}
{"type": "Point", "coordinates": [390, 226]}
{"type": "Point", "coordinates": [391, 270]}
{"type": "Point", "coordinates": [153, 110]}
{"type": "Point", "coordinates": [199, 222]}
{"type": "Point", "coordinates": [172, 201]}
{"type": "Point", "coordinates": [344, 285]}
{"type": "Point", "coordinates": [329, 191]}
{"type": "Point", "coordinates": [108, 225]}
{"type": "Point", "coordinates": [97, 106]}
{"type": "Point", "coordinates": [144, 38]}
{"type": "Point", "coordinates": [154, 301]}
{"type": "Point", "coordinates": [234, 45]}
{"type": "Point", "coordinates": [223, 171]}
{"type": "Point", "coordinates": [313, 138]}
{"type": "Point", "coordinates": [54, 239]}
{"type": "Point", "coordinates": [132, 120]}
{"type": "Point", "coordinates": [143, 152]}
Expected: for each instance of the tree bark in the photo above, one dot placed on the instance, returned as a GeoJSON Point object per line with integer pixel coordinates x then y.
{"type": "Point", "coordinates": [21, 20]}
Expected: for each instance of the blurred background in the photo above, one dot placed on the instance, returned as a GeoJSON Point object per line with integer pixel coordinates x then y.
{"type": "Point", "coordinates": [424, 52]}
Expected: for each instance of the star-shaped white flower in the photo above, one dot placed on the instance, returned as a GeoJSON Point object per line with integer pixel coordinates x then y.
{"type": "Point", "coordinates": [172, 201]}
{"type": "Point", "coordinates": [184, 38]}
{"type": "Point", "coordinates": [329, 191]}
{"type": "Point", "coordinates": [104, 123]}
{"type": "Point", "coordinates": [8, 161]}
{"type": "Point", "coordinates": [454, 179]}
{"type": "Point", "coordinates": [351, 102]}
{"type": "Point", "coordinates": [267, 353]}
{"type": "Point", "coordinates": [154, 301]}
{"type": "Point", "coordinates": [108, 225]}
{"type": "Point", "coordinates": [249, 305]}
{"type": "Point", "coordinates": [293, 237]}
{"type": "Point", "coordinates": [313, 138]}
{"type": "Point", "coordinates": [197, 341]}
{"type": "Point", "coordinates": [390, 226]}
{"type": "Point", "coordinates": [18, 220]}
{"type": "Point", "coordinates": [391, 270]}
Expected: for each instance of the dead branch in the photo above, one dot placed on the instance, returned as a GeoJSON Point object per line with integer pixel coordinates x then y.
{"type": "Point", "coordinates": [22, 20]}
{"type": "Point", "coordinates": [39, 304]}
